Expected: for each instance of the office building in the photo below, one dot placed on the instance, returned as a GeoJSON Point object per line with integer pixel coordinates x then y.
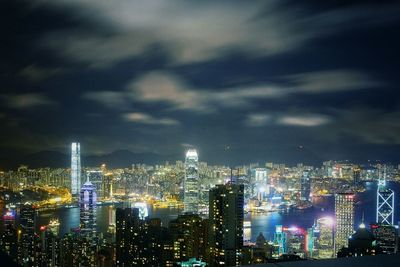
{"type": "Point", "coordinates": [49, 247]}
{"type": "Point", "coordinates": [27, 240]}
{"type": "Point", "coordinates": [344, 212]}
{"type": "Point", "coordinates": [75, 169]}
{"type": "Point", "coordinates": [384, 202]}
{"type": "Point", "coordinates": [9, 238]}
{"type": "Point", "coordinates": [87, 206]}
{"type": "Point", "coordinates": [226, 224]}
{"type": "Point", "coordinates": [325, 243]}
{"type": "Point", "coordinates": [305, 184]}
{"type": "Point", "coordinates": [191, 182]}
{"type": "Point", "coordinates": [280, 241]}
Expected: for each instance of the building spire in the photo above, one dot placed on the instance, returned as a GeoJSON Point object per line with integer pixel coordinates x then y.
{"type": "Point", "coordinates": [362, 225]}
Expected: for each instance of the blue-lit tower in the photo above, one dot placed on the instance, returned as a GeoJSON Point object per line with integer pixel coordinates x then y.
{"type": "Point", "coordinates": [384, 202]}
{"type": "Point", "coordinates": [75, 169]}
{"type": "Point", "coordinates": [87, 205]}
{"type": "Point", "coordinates": [280, 240]}
{"type": "Point", "coordinates": [191, 183]}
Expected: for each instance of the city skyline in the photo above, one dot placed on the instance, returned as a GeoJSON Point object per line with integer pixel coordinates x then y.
{"type": "Point", "coordinates": [190, 212]}
{"type": "Point", "coordinates": [125, 158]}
{"type": "Point", "coordinates": [199, 133]}
{"type": "Point", "coordinates": [231, 79]}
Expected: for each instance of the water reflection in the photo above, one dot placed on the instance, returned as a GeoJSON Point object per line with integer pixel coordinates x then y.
{"type": "Point", "coordinates": [260, 223]}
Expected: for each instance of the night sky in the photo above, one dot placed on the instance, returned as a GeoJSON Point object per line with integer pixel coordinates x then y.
{"type": "Point", "coordinates": [241, 81]}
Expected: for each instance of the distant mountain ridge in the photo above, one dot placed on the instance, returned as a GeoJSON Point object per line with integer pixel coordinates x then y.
{"type": "Point", "coordinates": [56, 159]}
{"type": "Point", "coordinates": [11, 159]}
{"type": "Point", "coordinates": [125, 158]}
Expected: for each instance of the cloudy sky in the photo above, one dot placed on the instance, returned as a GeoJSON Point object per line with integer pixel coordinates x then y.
{"type": "Point", "coordinates": [244, 81]}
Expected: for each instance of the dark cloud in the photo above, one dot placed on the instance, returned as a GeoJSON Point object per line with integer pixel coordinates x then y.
{"type": "Point", "coordinates": [26, 101]}
{"type": "Point", "coordinates": [263, 78]}
{"type": "Point", "coordinates": [148, 119]}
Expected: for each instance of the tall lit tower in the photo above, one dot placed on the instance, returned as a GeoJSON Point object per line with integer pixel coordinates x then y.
{"type": "Point", "coordinates": [191, 183]}
{"type": "Point", "coordinates": [87, 206]}
{"type": "Point", "coordinates": [384, 202]}
{"type": "Point", "coordinates": [344, 211]}
{"type": "Point", "coordinates": [75, 169]}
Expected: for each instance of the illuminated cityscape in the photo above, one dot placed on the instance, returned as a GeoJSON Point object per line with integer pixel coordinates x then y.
{"type": "Point", "coordinates": [141, 219]}
{"type": "Point", "coordinates": [199, 133]}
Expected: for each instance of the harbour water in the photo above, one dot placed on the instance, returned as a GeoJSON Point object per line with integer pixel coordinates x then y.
{"type": "Point", "coordinates": [264, 223]}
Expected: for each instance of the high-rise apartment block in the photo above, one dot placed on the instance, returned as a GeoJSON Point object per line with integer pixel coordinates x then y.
{"type": "Point", "coordinates": [226, 225]}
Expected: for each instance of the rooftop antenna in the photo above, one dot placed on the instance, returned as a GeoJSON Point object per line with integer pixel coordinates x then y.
{"type": "Point", "coordinates": [362, 225]}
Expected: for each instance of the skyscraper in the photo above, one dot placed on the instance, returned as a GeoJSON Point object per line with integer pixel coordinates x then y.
{"type": "Point", "coordinates": [27, 248]}
{"type": "Point", "coordinates": [305, 186]}
{"type": "Point", "coordinates": [191, 183]}
{"type": "Point", "coordinates": [226, 224]}
{"type": "Point", "coordinates": [87, 206]}
{"type": "Point", "coordinates": [50, 248]}
{"type": "Point", "coordinates": [344, 211]}
{"type": "Point", "coordinates": [325, 241]}
{"type": "Point", "coordinates": [280, 240]}
{"type": "Point", "coordinates": [384, 202]}
{"type": "Point", "coordinates": [8, 241]}
{"type": "Point", "coordinates": [75, 168]}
